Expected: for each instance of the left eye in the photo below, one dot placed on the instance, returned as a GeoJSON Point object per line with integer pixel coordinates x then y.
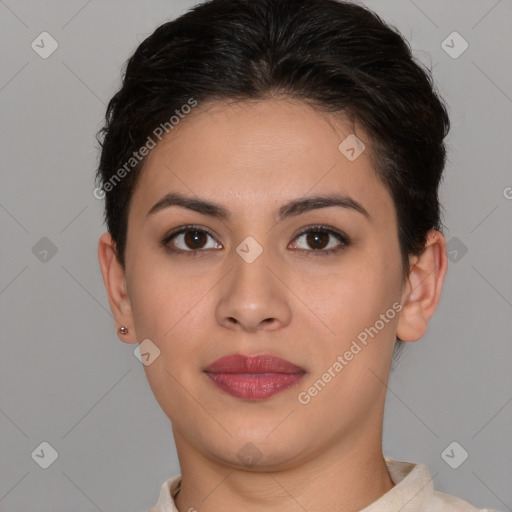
{"type": "Point", "coordinates": [191, 240]}
{"type": "Point", "coordinates": [321, 240]}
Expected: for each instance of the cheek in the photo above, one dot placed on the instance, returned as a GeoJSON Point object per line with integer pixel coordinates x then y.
{"type": "Point", "coordinates": [359, 310]}
{"type": "Point", "coordinates": [173, 310]}
{"type": "Point", "coordinates": [166, 308]}
{"type": "Point", "coordinates": [159, 299]}
{"type": "Point", "coordinates": [353, 297]}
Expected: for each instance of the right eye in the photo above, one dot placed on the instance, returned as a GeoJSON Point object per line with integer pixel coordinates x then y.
{"type": "Point", "coordinates": [191, 239]}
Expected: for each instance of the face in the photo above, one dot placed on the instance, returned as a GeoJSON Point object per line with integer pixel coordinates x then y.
{"type": "Point", "coordinates": [314, 283]}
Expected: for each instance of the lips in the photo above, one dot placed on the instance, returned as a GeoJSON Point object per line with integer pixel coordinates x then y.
{"type": "Point", "coordinates": [266, 363]}
{"type": "Point", "coordinates": [253, 377]}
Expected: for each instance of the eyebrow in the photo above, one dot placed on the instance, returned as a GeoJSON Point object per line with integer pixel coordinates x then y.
{"type": "Point", "coordinates": [290, 209]}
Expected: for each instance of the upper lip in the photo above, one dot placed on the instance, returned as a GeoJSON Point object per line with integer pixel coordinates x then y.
{"type": "Point", "coordinates": [266, 363]}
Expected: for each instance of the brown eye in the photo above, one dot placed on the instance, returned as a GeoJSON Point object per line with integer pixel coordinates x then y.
{"type": "Point", "coordinates": [320, 240]}
{"type": "Point", "coordinates": [194, 239]}
{"type": "Point", "coordinates": [190, 239]}
{"type": "Point", "coordinates": [317, 239]}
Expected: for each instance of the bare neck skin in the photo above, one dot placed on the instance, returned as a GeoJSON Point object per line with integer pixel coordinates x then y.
{"type": "Point", "coordinates": [347, 476]}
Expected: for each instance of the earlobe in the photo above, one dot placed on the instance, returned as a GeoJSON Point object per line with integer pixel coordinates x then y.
{"type": "Point", "coordinates": [115, 285]}
{"type": "Point", "coordinates": [422, 289]}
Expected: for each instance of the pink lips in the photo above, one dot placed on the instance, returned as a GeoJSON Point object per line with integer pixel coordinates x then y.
{"type": "Point", "coordinates": [253, 377]}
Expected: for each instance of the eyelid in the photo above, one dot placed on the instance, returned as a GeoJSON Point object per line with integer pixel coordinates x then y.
{"type": "Point", "coordinates": [340, 235]}
{"type": "Point", "coordinates": [189, 227]}
{"type": "Point", "coordinates": [323, 227]}
{"type": "Point", "coordinates": [183, 229]}
{"type": "Point", "coordinates": [344, 240]}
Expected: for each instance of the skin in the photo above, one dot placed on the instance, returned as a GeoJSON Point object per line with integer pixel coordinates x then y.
{"type": "Point", "coordinates": [291, 301]}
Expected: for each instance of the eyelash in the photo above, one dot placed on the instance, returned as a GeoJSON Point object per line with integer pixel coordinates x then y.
{"type": "Point", "coordinates": [341, 237]}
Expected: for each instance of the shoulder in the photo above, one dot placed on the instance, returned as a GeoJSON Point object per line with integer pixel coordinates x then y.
{"type": "Point", "coordinates": [447, 503]}
{"type": "Point", "coordinates": [414, 492]}
{"type": "Point", "coordinates": [168, 491]}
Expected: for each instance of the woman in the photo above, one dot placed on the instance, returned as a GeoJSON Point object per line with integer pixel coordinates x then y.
{"type": "Point", "coordinates": [270, 171]}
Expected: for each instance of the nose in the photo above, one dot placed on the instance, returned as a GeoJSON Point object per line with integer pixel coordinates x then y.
{"type": "Point", "coordinates": [254, 296]}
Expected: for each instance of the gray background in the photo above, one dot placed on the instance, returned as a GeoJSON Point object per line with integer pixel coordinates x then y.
{"type": "Point", "coordinates": [67, 380]}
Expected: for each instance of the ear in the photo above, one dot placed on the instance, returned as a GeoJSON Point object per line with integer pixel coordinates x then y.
{"type": "Point", "coordinates": [115, 285]}
{"type": "Point", "coordinates": [422, 289]}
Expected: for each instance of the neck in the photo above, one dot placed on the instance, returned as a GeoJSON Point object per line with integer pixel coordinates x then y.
{"type": "Point", "coordinates": [347, 477]}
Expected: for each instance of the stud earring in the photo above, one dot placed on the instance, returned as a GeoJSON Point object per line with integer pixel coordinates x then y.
{"type": "Point", "coordinates": [123, 329]}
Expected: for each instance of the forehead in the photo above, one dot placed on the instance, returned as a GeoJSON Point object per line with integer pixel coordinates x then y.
{"type": "Point", "coordinates": [256, 155]}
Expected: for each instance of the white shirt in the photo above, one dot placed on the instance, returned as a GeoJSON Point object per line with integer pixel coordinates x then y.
{"type": "Point", "coordinates": [413, 492]}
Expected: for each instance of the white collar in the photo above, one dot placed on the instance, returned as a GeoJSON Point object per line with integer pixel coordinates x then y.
{"type": "Point", "coordinates": [413, 492]}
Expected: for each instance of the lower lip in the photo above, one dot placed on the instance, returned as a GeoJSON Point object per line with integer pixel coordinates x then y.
{"type": "Point", "coordinates": [254, 386]}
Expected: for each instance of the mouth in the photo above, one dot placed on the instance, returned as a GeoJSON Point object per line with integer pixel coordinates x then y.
{"type": "Point", "coordinates": [254, 377]}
